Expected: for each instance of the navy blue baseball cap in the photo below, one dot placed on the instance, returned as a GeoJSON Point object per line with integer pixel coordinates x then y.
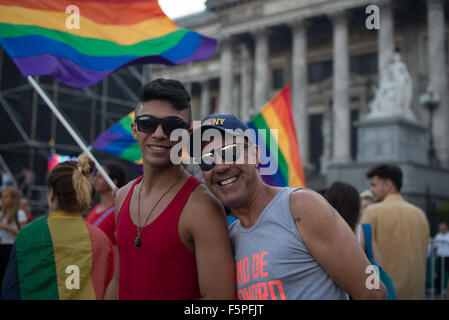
{"type": "Point", "coordinates": [227, 123]}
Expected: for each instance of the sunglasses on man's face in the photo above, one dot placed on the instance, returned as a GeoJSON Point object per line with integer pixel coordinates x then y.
{"type": "Point", "coordinates": [148, 124]}
{"type": "Point", "coordinates": [229, 153]}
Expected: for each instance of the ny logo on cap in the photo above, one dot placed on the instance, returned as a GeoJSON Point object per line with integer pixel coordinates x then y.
{"type": "Point", "coordinates": [214, 122]}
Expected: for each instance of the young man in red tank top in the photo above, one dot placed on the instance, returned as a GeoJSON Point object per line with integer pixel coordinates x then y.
{"type": "Point", "coordinates": [172, 240]}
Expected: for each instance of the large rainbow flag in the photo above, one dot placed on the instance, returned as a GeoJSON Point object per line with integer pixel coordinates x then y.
{"type": "Point", "coordinates": [119, 141]}
{"type": "Point", "coordinates": [283, 153]}
{"type": "Point", "coordinates": [50, 252]}
{"type": "Point", "coordinates": [112, 34]}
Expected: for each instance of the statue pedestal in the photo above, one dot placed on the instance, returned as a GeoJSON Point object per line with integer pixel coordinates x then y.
{"type": "Point", "coordinates": [398, 141]}
{"type": "Point", "coordinates": [391, 139]}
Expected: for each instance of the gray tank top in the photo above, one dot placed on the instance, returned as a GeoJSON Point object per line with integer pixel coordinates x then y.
{"type": "Point", "coordinates": [272, 261]}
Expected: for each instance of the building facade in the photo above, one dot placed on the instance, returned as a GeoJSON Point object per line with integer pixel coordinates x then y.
{"type": "Point", "coordinates": [329, 54]}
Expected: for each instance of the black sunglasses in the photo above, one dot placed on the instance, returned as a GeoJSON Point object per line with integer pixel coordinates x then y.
{"type": "Point", "coordinates": [148, 124]}
{"type": "Point", "coordinates": [229, 153]}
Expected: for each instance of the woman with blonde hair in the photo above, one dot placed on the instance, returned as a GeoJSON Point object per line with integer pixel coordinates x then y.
{"type": "Point", "coordinates": [59, 256]}
{"type": "Point", "coordinates": [12, 219]}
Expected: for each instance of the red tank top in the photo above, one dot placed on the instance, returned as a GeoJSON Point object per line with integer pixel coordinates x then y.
{"type": "Point", "coordinates": [162, 267]}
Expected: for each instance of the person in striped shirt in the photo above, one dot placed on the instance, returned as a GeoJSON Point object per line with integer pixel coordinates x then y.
{"type": "Point", "coordinates": [60, 256]}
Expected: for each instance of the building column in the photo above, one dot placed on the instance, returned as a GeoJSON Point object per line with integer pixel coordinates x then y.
{"type": "Point", "coordinates": [246, 81]}
{"type": "Point", "coordinates": [226, 77]}
{"type": "Point", "coordinates": [385, 37]}
{"type": "Point", "coordinates": [299, 88]}
{"type": "Point", "coordinates": [438, 77]}
{"type": "Point", "coordinates": [205, 98]}
{"type": "Point", "coordinates": [340, 108]}
{"type": "Point", "coordinates": [262, 68]}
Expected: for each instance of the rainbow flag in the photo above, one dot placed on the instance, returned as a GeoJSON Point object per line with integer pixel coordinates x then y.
{"type": "Point", "coordinates": [118, 140]}
{"type": "Point", "coordinates": [54, 159]}
{"type": "Point", "coordinates": [48, 255]}
{"type": "Point", "coordinates": [41, 39]}
{"type": "Point", "coordinates": [283, 153]}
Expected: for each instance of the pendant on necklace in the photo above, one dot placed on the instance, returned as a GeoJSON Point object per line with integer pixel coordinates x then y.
{"type": "Point", "coordinates": [137, 242]}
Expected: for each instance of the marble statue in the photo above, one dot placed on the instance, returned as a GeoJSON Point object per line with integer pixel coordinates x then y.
{"type": "Point", "coordinates": [395, 93]}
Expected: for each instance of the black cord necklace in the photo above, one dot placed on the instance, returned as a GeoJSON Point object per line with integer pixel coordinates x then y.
{"type": "Point", "coordinates": [138, 240]}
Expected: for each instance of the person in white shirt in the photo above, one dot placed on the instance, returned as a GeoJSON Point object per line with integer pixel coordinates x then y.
{"type": "Point", "coordinates": [441, 241]}
{"type": "Point", "coordinates": [7, 178]}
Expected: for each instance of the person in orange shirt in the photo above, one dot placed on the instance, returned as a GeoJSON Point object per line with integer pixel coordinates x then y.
{"type": "Point", "coordinates": [401, 231]}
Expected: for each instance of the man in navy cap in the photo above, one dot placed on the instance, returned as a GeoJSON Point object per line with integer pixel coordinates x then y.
{"type": "Point", "coordinates": [288, 243]}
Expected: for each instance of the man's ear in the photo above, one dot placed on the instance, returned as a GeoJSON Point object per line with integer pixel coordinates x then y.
{"type": "Point", "coordinates": [389, 185]}
{"type": "Point", "coordinates": [134, 130]}
{"type": "Point", "coordinates": [52, 194]}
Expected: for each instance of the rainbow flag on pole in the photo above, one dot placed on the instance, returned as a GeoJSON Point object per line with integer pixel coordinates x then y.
{"type": "Point", "coordinates": [94, 37]}
{"type": "Point", "coordinates": [59, 256]}
{"type": "Point", "coordinates": [277, 114]}
{"type": "Point", "coordinates": [118, 140]}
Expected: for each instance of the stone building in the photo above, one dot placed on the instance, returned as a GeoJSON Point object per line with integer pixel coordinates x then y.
{"type": "Point", "coordinates": [331, 56]}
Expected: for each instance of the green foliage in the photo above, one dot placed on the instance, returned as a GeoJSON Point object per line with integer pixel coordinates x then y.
{"type": "Point", "coordinates": [442, 214]}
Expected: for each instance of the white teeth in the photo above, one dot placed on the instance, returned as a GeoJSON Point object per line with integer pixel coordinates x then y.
{"type": "Point", "coordinates": [228, 181]}
{"type": "Point", "coordinates": [158, 148]}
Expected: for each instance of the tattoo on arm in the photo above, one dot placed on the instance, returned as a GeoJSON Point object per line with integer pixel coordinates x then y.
{"type": "Point", "coordinates": [296, 220]}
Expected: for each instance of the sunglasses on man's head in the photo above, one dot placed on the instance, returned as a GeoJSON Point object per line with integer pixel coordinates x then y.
{"type": "Point", "coordinates": [148, 124]}
{"type": "Point", "coordinates": [229, 153]}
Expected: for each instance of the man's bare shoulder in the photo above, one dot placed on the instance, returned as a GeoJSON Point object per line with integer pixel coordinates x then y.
{"type": "Point", "coordinates": [306, 202]}
{"type": "Point", "coordinates": [121, 195]}
{"type": "Point", "coordinates": [123, 191]}
{"type": "Point", "coordinates": [201, 199]}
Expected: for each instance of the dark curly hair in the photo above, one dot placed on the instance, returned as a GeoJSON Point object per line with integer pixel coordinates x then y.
{"type": "Point", "coordinates": [169, 90]}
{"type": "Point", "coordinates": [387, 171]}
{"type": "Point", "coordinates": [346, 200]}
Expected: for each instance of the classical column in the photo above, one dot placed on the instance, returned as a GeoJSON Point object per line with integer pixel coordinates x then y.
{"type": "Point", "coordinates": [205, 98]}
{"type": "Point", "coordinates": [226, 77]}
{"type": "Point", "coordinates": [438, 76]}
{"type": "Point", "coordinates": [299, 87]}
{"type": "Point", "coordinates": [386, 37]}
{"type": "Point", "coordinates": [340, 108]}
{"type": "Point", "coordinates": [262, 68]}
{"type": "Point", "coordinates": [246, 81]}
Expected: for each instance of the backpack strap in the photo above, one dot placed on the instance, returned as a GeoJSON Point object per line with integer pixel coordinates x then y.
{"type": "Point", "coordinates": [367, 232]}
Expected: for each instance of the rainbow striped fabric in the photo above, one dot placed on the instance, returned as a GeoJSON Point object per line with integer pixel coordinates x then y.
{"type": "Point", "coordinates": [277, 114]}
{"type": "Point", "coordinates": [48, 255]}
{"type": "Point", "coordinates": [40, 38]}
{"type": "Point", "coordinates": [55, 158]}
{"type": "Point", "coordinates": [119, 141]}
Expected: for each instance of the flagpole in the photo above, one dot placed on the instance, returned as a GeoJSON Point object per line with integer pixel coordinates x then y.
{"type": "Point", "coordinates": [64, 122]}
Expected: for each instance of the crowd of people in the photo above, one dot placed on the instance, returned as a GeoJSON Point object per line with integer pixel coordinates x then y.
{"type": "Point", "coordinates": [167, 235]}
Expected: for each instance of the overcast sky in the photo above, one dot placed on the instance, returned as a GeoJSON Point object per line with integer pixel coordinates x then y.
{"type": "Point", "coordinates": [178, 8]}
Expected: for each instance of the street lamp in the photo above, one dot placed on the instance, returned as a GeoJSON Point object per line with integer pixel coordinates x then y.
{"type": "Point", "coordinates": [430, 100]}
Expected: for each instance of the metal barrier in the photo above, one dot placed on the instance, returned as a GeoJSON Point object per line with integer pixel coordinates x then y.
{"type": "Point", "coordinates": [433, 260]}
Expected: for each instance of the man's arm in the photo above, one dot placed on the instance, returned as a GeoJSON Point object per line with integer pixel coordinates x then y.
{"type": "Point", "coordinates": [112, 289]}
{"type": "Point", "coordinates": [205, 222]}
{"type": "Point", "coordinates": [332, 243]}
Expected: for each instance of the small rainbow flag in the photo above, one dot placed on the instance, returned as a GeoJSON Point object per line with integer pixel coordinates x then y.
{"type": "Point", "coordinates": [43, 39]}
{"type": "Point", "coordinates": [59, 256]}
{"type": "Point", "coordinates": [283, 153]}
{"type": "Point", "coordinates": [118, 140]}
{"type": "Point", "coordinates": [54, 159]}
